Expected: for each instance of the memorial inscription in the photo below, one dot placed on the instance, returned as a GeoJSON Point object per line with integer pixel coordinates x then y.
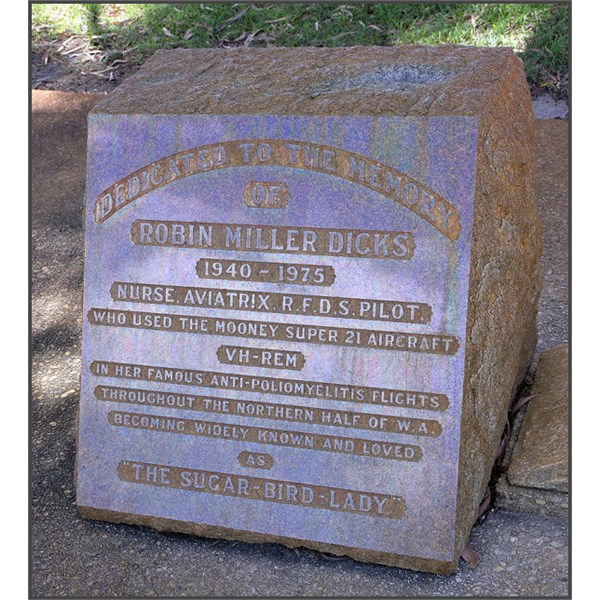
{"type": "Point", "coordinates": [311, 273]}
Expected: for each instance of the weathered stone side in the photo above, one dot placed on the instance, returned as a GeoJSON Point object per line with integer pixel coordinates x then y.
{"type": "Point", "coordinates": [505, 283]}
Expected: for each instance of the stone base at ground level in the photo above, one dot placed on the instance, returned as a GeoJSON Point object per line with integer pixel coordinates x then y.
{"type": "Point", "coordinates": [382, 558]}
{"type": "Point", "coordinates": [547, 503]}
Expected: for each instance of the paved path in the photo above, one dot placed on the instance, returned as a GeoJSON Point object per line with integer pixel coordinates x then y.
{"type": "Point", "coordinates": [519, 554]}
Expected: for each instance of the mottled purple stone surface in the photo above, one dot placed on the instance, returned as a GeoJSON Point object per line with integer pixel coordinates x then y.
{"type": "Point", "coordinates": [437, 152]}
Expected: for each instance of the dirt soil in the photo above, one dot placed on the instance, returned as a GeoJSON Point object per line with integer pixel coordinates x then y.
{"type": "Point", "coordinates": [72, 66]}
{"type": "Point", "coordinates": [56, 75]}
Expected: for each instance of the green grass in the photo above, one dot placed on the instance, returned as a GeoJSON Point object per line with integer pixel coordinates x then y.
{"type": "Point", "coordinates": [539, 33]}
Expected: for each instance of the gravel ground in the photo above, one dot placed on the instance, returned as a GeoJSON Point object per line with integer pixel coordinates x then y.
{"type": "Point", "coordinates": [519, 554]}
{"type": "Point", "coordinates": [552, 188]}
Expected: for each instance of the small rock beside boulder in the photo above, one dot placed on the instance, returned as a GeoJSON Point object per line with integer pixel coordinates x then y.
{"type": "Point", "coordinates": [538, 476]}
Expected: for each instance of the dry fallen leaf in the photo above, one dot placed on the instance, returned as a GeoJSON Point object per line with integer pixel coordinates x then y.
{"type": "Point", "coordinates": [231, 20]}
{"type": "Point", "coordinates": [470, 556]}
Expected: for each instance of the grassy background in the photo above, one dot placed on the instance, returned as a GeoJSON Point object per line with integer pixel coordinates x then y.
{"type": "Point", "coordinates": [539, 33]}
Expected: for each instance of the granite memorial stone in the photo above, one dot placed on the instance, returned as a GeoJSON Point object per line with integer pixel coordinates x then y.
{"type": "Point", "coordinates": [311, 283]}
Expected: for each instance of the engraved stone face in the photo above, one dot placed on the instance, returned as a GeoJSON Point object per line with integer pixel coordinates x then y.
{"type": "Point", "coordinates": [275, 313]}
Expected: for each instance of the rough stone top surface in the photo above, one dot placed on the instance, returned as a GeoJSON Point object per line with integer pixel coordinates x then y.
{"type": "Point", "coordinates": [405, 80]}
